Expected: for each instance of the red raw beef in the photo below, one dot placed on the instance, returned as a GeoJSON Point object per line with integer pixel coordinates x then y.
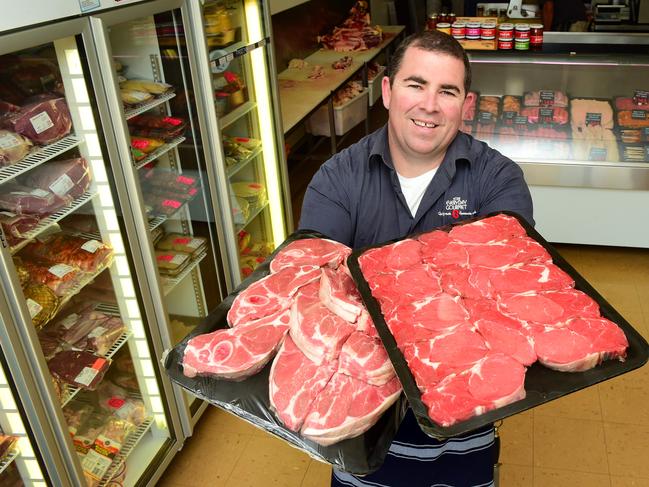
{"type": "Point", "coordinates": [20, 199]}
{"type": "Point", "coordinates": [318, 332]}
{"type": "Point", "coordinates": [310, 251]}
{"type": "Point", "coordinates": [42, 122]}
{"type": "Point", "coordinates": [487, 309]}
{"type": "Point", "coordinates": [549, 308]}
{"type": "Point", "coordinates": [347, 407]}
{"type": "Point", "coordinates": [365, 358]}
{"type": "Point", "coordinates": [493, 229]}
{"type": "Point", "coordinates": [406, 286]}
{"type": "Point", "coordinates": [506, 340]}
{"type": "Point", "coordinates": [469, 283]}
{"type": "Point", "coordinates": [493, 382]}
{"type": "Point", "coordinates": [529, 250]}
{"type": "Point", "coordinates": [398, 256]}
{"type": "Point", "coordinates": [454, 254]}
{"type": "Point", "coordinates": [270, 294]}
{"type": "Point", "coordinates": [366, 325]}
{"type": "Point", "coordinates": [67, 179]}
{"type": "Point", "coordinates": [580, 345]}
{"type": "Point", "coordinates": [294, 383]}
{"type": "Point", "coordinates": [529, 277]}
{"type": "Point", "coordinates": [436, 313]}
{"type": "Point", "coordinates": [494, 255]}
{"type": "Point", "coordinates": [433, 360]}
{"type": "Point", "coordinates": [236, 353]}
{"type": "Point", "coordinates": [339, 294]}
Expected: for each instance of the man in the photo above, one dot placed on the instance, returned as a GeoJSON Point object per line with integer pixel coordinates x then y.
{"type": "Point", "coordinates": [417, 173]}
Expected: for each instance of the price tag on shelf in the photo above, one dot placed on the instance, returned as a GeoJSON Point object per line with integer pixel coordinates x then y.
{"type": "Point", "coordinates": [641, 97]}
{"type": "Point", "coordinates": [546, 98]}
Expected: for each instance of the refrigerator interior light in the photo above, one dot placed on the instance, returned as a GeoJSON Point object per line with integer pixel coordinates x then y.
{"type": "Point", "coordinates": [73, 62]}
{"type": "Point", "coordinates": [152, 387]}
{"type": "Point", "coordinates": [7, 399]}
{"type": "Point", "coordinates": [132, 308]}
{"type": "Point", "coordinates": [147, 368]}
{"type": "Point", "coordinates": [33, 469]}
{"type": "Point", "coordinates": [121, 265]}
{"type": "Point", "coordinates": [116, 242]}
{"type": "Point", "coordinates": [128, 291]}
{"type": "Point", "coordinates": [81, 94]}
{"type": "Point", "coordinates": [15, 424]}
{"type": "Point", "coordinates": [156, 404]}
{"type": "Point", "coordinates": [104, 195]}
{"type": "Point", "coordinates": [142, 349]}
{"type": "Point", "coordinates": [110, 219]}
{"type": "Point", "coordinates": [86, 117]}
{"type": "Point", "coordinates": [261, 84]}
{"type": "Point", "coordinates": [99, 172]}
{"type": "Point", "coordinates": [25, 447]}
{"type": "Point", "coordinates": [93, 148]}
{"type": "Point", "coordinates": [137, 327]}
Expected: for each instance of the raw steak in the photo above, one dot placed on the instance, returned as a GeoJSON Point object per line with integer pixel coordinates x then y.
{"type": "Point", "coordinates": [433, 360]}
{"type": "Point", "coordinates": [270, 294]}
{"type": "Point", "coordinates": [339, 294]}
{"type": "Point", "coordinates": [549, 308]}
{"type": "Point", "coordinates": [495, 381]}
{"type": "Point", "coordinates": [236, 353]}
{"type": "Point", "coordinates": [347, 407]}
{"type": "Point", "coordinates": [492, 229]}
{"type": "Point", "coordinates": [436, 313]}
{"type": "Point", "coordinates": [508, 341]}
{"type": "Point", "coordinates": [487, 309]}
{"type": "Point", "coordinates": [529, 277]}
{"type": "Point", "coordinates": [294, 383]}
{"type": "Point", "coordinates": [318, 332]}
{"type": "Point", "coordinates": [405, 286]}
{"type": "Point", "coordinates": [469, 283]}
{"type": "Point", "coordinates": [310, 251]}
{"type": "Point", "coordinates": [529, 250]}
{"type": "Point", "coordinates": [67, 179]}
{"type": "Point", "coordinates": [43, 122]}
{"type": "Point", "coordinates": [398, 256]}
{"type": "Point", "coordinates": [498, 255]}
{"type": "Point", "coordinates": [366, 325]}
{"type": "Point", "coordinates": [454, 254]}
{"type": "Point", "coordinates": [365, 358]}
{"type": "Point", "coordinates": [581, 344]}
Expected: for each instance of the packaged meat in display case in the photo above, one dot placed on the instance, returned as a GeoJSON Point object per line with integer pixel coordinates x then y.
{"type": "Point", "coordinates": [74, 302]}
{"type": "Point", "coordinates": [529, 327]}
{"type": "Point", "coordinates": [297, 327]}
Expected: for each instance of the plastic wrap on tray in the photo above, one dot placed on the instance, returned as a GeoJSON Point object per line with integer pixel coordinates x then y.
{"type": "Point", "coordinates": [171, 263]}
{"type": "Point", "coordinates": [20, 199]}
{"type": "Point", "coordinates": [76, 414]}
{"type": "Point", "coordinates": [43, 122]}
{"type": "Point", "coordinates": [68, 179]}
{"type": "Point", "coordinates": [249, 398]}
{"type": "Point", "coordinates": [118, 402]}
{"type": "Point", "coordinates": [181, 243]}
{"type": "Point", "coordinates": [633, 118]}
{"type": "Point", "coordinates": [545, 98]}
{"type": "Point", "coordinates": [168, 182]}
{"type": "Point", "coordinates": [87, 254]}
{"type": "Point", "coordinates": [134, 97]}
{"type": "Point", "coordinates": [59, 277]}
{"type": "Point", "coordinates": [42, 303]}
{"type": "Point", "coordinates": [88, 329]}
{"type": "Point", "coordinates": [16, 226]}
{"type": "Point", "coordinates": [630, 103]}
{"type": "Point", "coordinates": [13, 147]}
{"type": "Point", "coordinates": [589, 112]}
{"type": "Point", "coordinates": [79, 368]}
{"type": "Point", "coordinates": [488, 109]}
{"type": "Point", "coordinates": [157, 126]}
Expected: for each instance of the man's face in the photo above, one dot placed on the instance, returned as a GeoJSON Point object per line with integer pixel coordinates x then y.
{"type": "Point", "coordinates": [425, 104]}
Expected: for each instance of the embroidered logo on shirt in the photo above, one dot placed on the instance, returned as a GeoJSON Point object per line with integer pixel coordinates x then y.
{"type": "Point", "coordinates": [456, 207]}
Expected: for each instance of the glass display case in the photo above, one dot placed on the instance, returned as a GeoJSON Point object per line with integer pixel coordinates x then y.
{"type": "Point", "coordinates": [575, 116]}
{"type": "Point", "coordinates": [66, 267]}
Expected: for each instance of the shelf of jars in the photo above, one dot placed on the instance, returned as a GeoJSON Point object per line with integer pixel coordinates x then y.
{"type": "Point", "coordinates": [38, 156]}
{"type": "Point", "coordinates": [145, 107]}
{"type": "Point", "coordinates": [159, 152]}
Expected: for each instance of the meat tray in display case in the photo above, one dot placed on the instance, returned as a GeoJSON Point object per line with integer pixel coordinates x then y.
{"type": "Point", "coordinates": [168, 183]}
{"type": "Point", "coordinates": [575, 116]}
{"type": "Point", "coordinates": [72, 309]}
{"type": "Point", "coordinates": [235, 60]}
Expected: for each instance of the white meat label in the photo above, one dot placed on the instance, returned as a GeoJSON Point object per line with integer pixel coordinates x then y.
{"type": "Point", "coordinates": [86, 376]}
{"type": "Point", "coordinates": [62, 185]}
{"type": "Point", "coordinates": [61, 270]}
{"type": "Point", "coordinates": [98, 331]}
{"type": "Point", "coordinates": [92, 246]}
{"type": "Point", "coordinates": [178, 259]}
{"type": "Point", "coordinates": [41, 122]}
{"type": "Point", "coordinates": [41, 193]}
{"type": "Point", "coordinates": [124, 412]}
{"type": "Point", "coordinates": [9, 141]}
{"type": "Point", "coordinates": [69, 321]}
{"type": "Point", "coordinates": [95, 464]}
{"type": "Point", "coordinates": [194, 243]}
{"type": "Point", "coordinates": [33, 307]}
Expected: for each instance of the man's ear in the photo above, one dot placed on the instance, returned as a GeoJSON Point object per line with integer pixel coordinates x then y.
{"type": "Point", "coordinates": [469, 99]}
{"type": "Point", "coordinates": [386, 91]}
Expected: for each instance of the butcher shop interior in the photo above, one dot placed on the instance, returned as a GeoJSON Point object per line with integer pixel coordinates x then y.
{"type": "Point", "coordinates": [164, 322]}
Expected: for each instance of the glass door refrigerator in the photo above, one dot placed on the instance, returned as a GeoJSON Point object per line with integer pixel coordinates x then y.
{"type": "Point", "coordinates": [74, 309]}
{"type": "Point", "coordinates": [166, 178]}
{"type": "Point", "coordinates": [235, 60]}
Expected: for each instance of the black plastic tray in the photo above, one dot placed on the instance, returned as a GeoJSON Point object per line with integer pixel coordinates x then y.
{"type": "Point", "coordinates": [541, 384]}
{"type": "Point", "coordinates": [248, 399]}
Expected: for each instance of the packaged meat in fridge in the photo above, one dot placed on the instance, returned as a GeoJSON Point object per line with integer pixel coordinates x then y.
{"type": "Point", "coordinates": [42, 122]}
{"type": "Point", "coordinates": [42, 303]}
{"type": "Point", "coordinates": [633, 118]}
{"type": "Point", "coordinates": [76, 414]}
{"type": "Point", "coordinates": [50, 340]}
{"type": "Point", "coordinates": [94, 331]}
{"type": "Point", "coordinates": [87, 254]}
{"type": "Point", "coordinates": [182, 243]}
{"type": "Point", "coordinates": [545, 98]}
{"type": "Point", "coordinates": [107, 445]}
{"type": "Point", "coordinates": [13, 147]}
{"type": "Point", "coordinates": [88, 432]}
{"type": "Point", "coordinates": [79, 368]}
{"type": "Point", "coordinates": [171, 263]}
{"type": "Point", "coordinates": [157, 126]}
{"type": "Point", "coordinates": [68, 179]}
{"type": "Point", "coordinates": [153, 87]}
{"type": "Point", "coordinates": [35, 75]}
{"type": "Point", "coordinates": [630, 103]}
{"type": "Point", "coordinates": [60, 278]}
{"type": "Point", "coordinates": [169, 181]}
{"type": "Point", "coordinates": [20, 199]}
{"type": "Point", "coordinates": [134, 97]}
{"type": "Point", "coordinates": [80, 223]}
{"type": "Point", "coordinates": [118, 402]}
{"type": "Point", "coordinates": [588, 112]}
{"type": "Point", "coordinates": [16, 226]}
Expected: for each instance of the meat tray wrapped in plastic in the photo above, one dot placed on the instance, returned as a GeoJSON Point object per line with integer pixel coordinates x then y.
{"type": "Point", "coordinates": [89, 255]}
{"type": "Point", "coordinates": [42, 303]}
{"type": "Point", "coordinates": [79, 368]}
{"type": "Point", "coordinates": [68, 179]}
{"type": "Point", "coordinates": [89, 330]}
{"type": "Point", "coordinates": [157, 126]}
{"type": "Point", "coordinates": [16, 226]}
{"type": "Point", "coordinates": [60, 278]}
{"type": "Point", "coordinates": [20, 199]}
{"type": "Point", "coordinates": [13, 147]}
{"type": "Point", "coordinates": [42, 122]}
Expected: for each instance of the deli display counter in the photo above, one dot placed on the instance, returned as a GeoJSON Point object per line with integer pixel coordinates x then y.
{"type": "Point", "coordinates": [575, 117]}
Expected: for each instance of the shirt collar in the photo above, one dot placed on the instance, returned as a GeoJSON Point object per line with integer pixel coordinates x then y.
{"type": "Point", "coordinates": [460, 149]}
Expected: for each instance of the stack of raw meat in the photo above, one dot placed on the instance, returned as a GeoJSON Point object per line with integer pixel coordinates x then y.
{"type": "Point", "coordinates": [331, 378]}
{"type": "Point", "coordinates": [472, 308]}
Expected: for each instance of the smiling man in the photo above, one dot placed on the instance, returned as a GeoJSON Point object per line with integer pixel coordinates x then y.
{"type": "Point", "coordinates": [417, 173]}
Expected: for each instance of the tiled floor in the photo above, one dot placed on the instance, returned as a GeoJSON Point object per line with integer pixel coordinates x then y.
{"type": "Point", "coordinates": [598, 437]}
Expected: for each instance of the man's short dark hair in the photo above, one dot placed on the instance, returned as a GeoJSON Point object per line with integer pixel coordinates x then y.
{"type": "Point", "coordinates": [432, 41]}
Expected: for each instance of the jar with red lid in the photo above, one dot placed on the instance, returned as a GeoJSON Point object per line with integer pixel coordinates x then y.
{"type": "Point", "coordinates": [488, 30]}
{"type": "Point", "coordinates": [473, 30]}
{"type": "Point", "coordinates": [522, 31]}
{"type": "Point", "coordinates": [444, 27]}
{"type": "Point", "coordinates": [506, 31]}
{"type": "Point", "coordinates": [536, 35]}
{"type": "Point", "coordinates": [443, 18]}
{"type": "Point", "coordinates": [451, 18]}
{"type": "Point", "coordinates": [505, 44]}
{"type": "Point", "coordinates": [458, 30]}
{"type": "Point", "coordinates": [431, 21]}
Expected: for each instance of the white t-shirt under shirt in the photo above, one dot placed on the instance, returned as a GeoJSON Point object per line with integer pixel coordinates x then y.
{"type": "Point", "coordinates": [414, 188]}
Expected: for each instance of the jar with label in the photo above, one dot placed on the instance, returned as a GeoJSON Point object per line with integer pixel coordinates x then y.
{"type": "Point", "coordinates": [505, 44]}
{"type": "Point", "coordinates": [458, 30]}
{"type": "Point", "coordinates": [451, 18]}
{"type": "Point", "coordinates": [522, 44]}
{"type": "Point", "coordinates": [444, 27]}
{"type": "Point", "coordinates": [488, 30]}
{"type": "Point", "coordinates": [473, 30]}
{"type": "Point", "coordinates": [506, 31]}
{"type": "Point", "coordinates": [431, 22]}
{"type": "Point", "coordinates": [522, 31]}
{"type": "Point", "coordinates": [536, 35]}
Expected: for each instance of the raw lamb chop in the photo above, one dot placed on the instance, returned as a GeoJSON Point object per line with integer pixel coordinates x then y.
{"type": "Point", "coordinates": [339, 294]}
{"type": "Point", "coordinates": [310, 251]}
{"type": "Point", "coordinates": [365, 358]}
{"type": "Point", "coordinates": [348, 407]}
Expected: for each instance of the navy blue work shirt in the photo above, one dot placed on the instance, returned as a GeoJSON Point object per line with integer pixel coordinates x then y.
{"type": "Point", "coordinates": [355, 197]}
